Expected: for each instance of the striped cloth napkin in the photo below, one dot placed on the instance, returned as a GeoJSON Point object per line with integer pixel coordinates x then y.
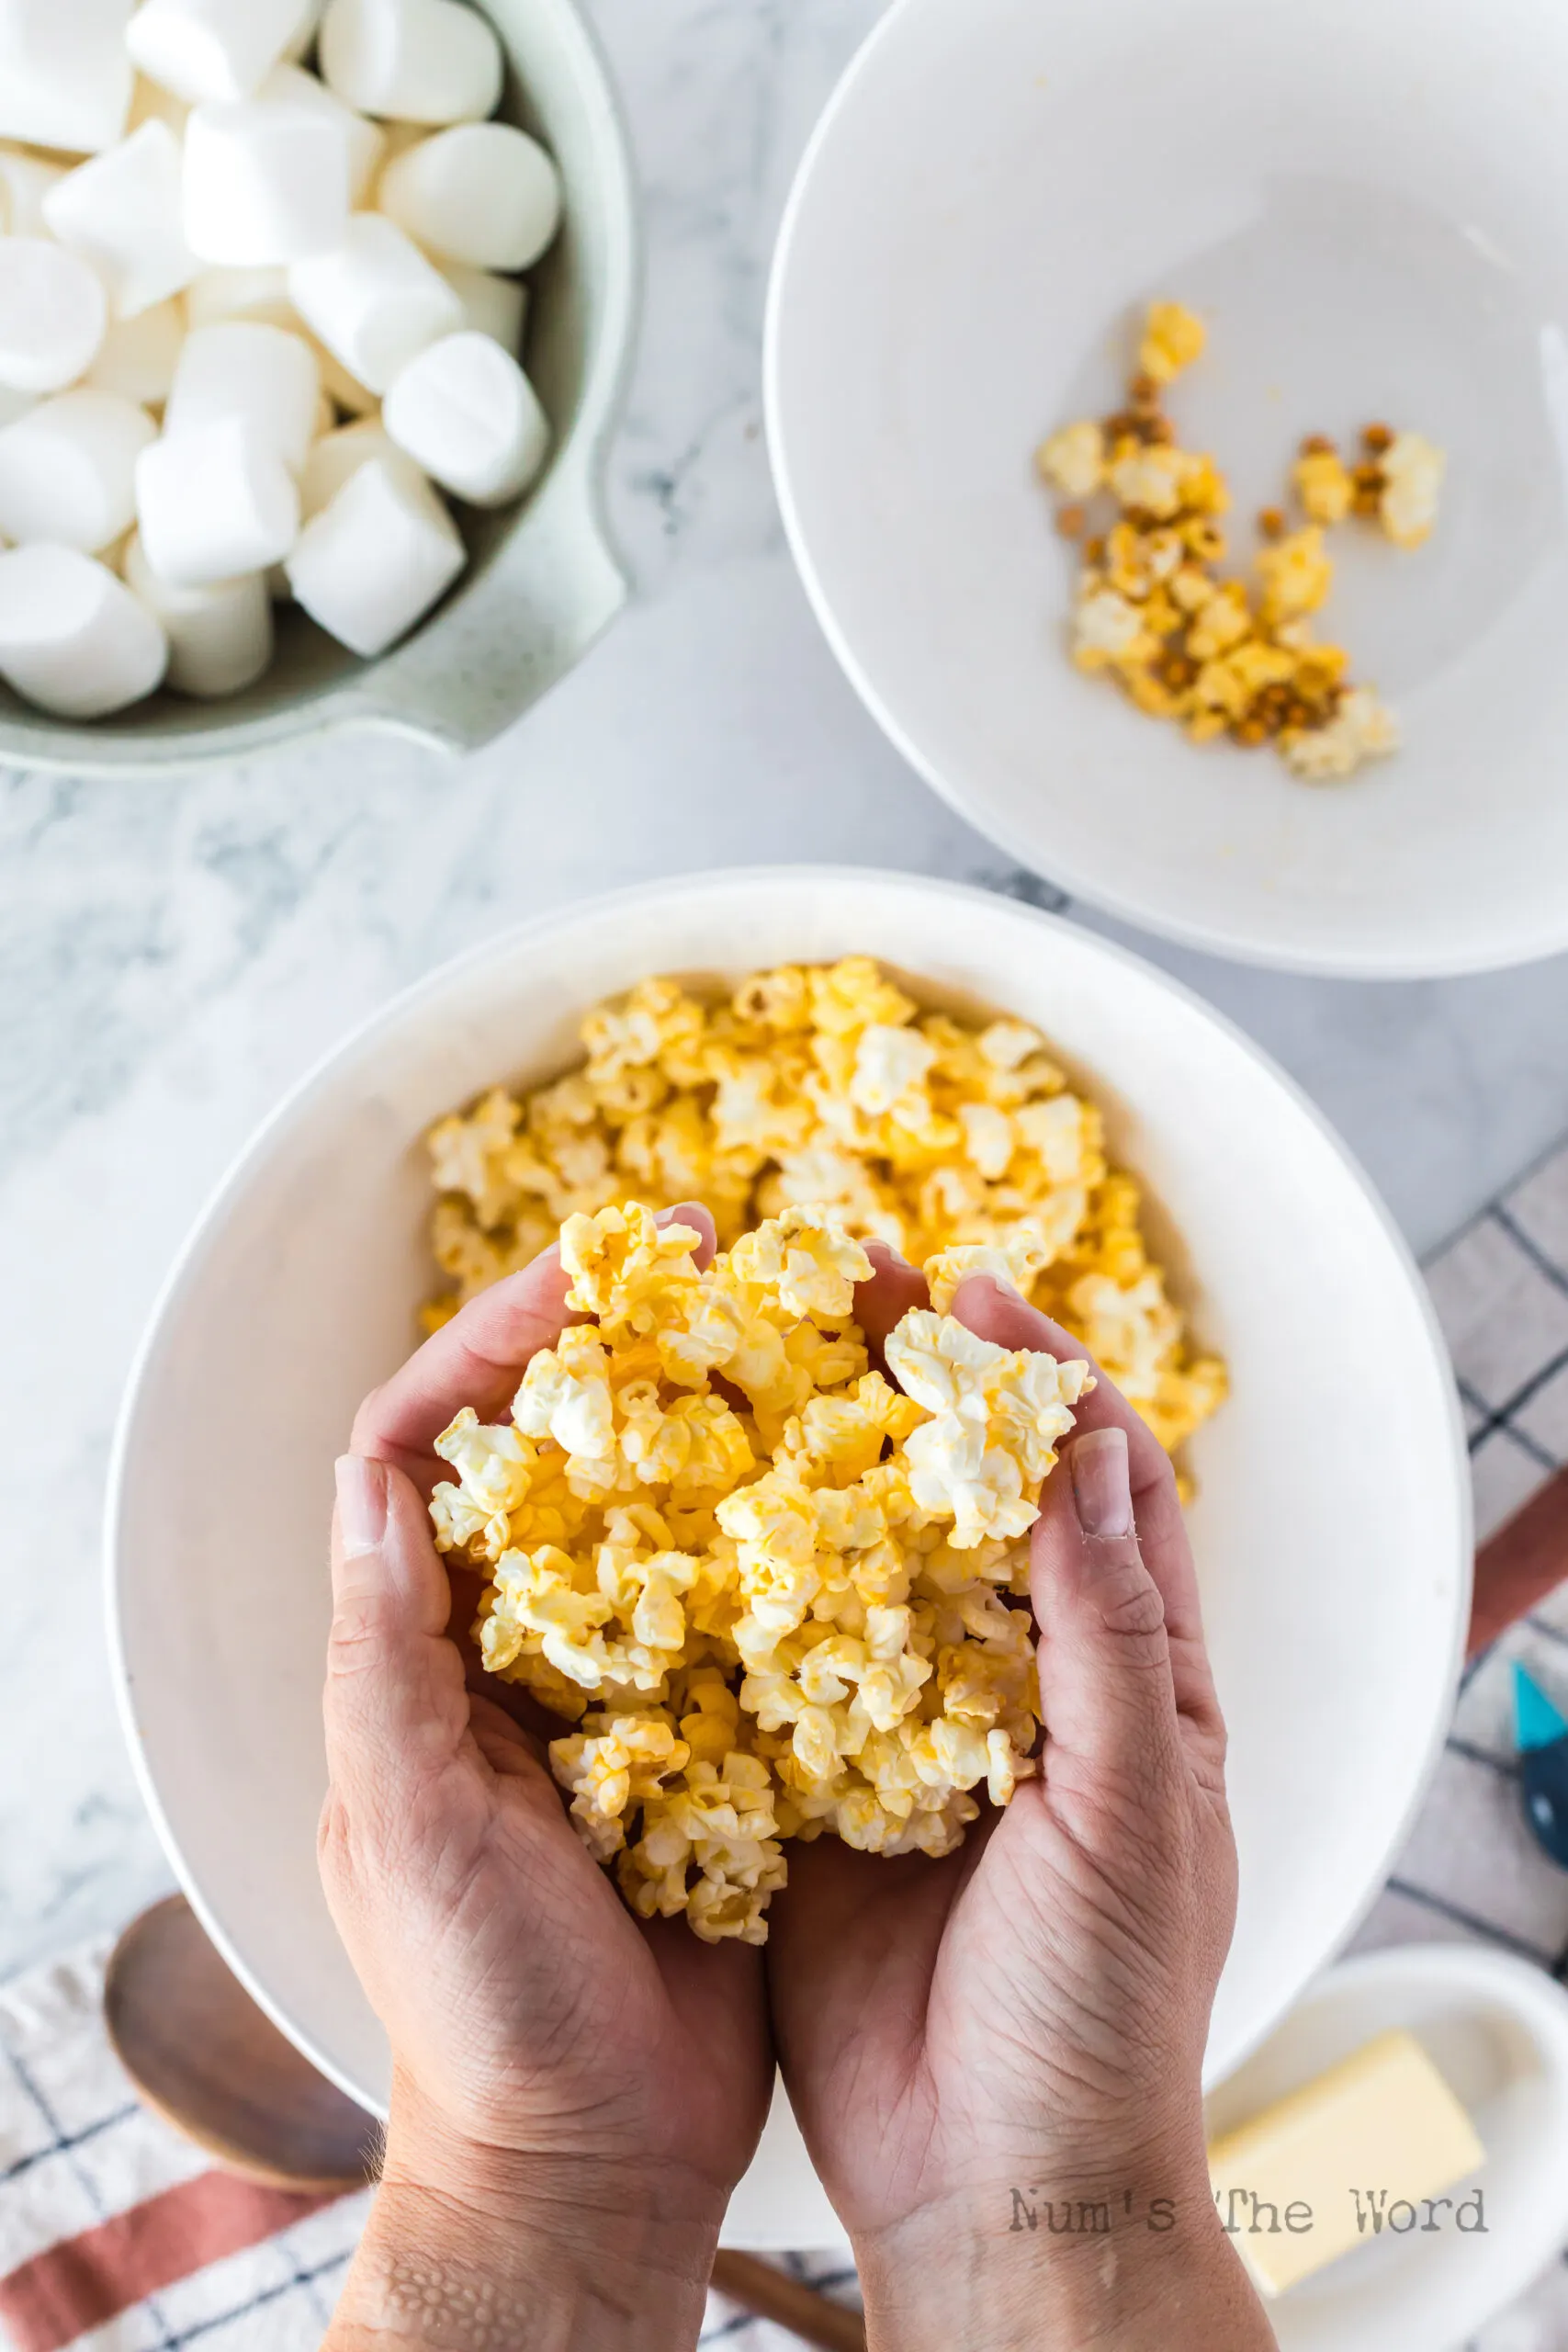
{"type": "Point", "coordinates": [117, 2237]}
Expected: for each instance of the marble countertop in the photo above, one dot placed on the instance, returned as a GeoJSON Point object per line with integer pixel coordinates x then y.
{"type": "Point", "coordinates": [176, 954]}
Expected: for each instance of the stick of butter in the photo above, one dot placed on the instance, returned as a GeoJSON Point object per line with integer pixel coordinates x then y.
{"type": "Point", "coordinates": [1366, 2149]}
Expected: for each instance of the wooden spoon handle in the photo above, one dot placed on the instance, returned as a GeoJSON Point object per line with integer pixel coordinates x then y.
{"type": "Point", "coordinates": [773, 2294]}
{"type": "Point", "coordinates": [1521, 1564]}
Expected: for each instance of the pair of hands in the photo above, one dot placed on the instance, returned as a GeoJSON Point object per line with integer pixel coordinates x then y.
{"type": "Point", "coordinates": [576, 2092]}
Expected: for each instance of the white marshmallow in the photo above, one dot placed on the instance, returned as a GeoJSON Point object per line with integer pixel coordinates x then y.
{"type": "Point", "coordinates": [337, 457]}
{"type": "Point", "coordinates": [375, 302]}
{"type": "Point", "coordinates": [260, 294]}
{"type": "Point", "coordinates": [68, 470]}
{"type": "Point", "coordinates": [265, 182]}
{"type": "Point", "coordinates": [53, 312]}
{"type": "Point", "coordinates": [494, 306]}
{"type": "Point", "coordinates": [64, 76]}
{"type": "Point", "coordinates": [374, 562]}
{"type": "Point", "coordinates": [15, 404]}
{"type": "Point", "coordinates": [367, 140]}
{"type": "Point", "coordinates": [483, 193]}
{"type": "Point", "coordinates": [263, 294]}
{"type": "Point", "coordinates": [213, 50]}
{"type": "Point", "coordinates": [137, 357]}
{"type": "Point", "coordinates": [246, 369]}
{"type": "Point", "coordinates": [220, 638]}
{"type": "Point", "coordinates": [122, 211]}
{"type": "Point", "coordinates": [24, 181]}
{"type": "Point", "coordinates": [417, 60]}
{"type": "Point", "coordinates": [466, 415]}
{"type": "Point", "coordinates": [73, 638]}
{"type": "Point", "coordinates": [214, 501]}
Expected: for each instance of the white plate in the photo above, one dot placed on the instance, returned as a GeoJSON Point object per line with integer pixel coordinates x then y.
{"type": "Point", "coordinates": [1497, 2029]}
{"type": "Point", "coordinates": [1369, 207]}
{"type": "Point", "coordinates": [1332, 1523]}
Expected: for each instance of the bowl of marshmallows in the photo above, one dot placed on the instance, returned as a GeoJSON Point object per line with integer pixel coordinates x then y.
{"type": "Point", "coordinates": [313, 325]}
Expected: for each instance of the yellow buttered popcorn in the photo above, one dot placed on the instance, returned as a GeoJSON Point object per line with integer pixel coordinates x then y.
{"type": "Point", "coordinates": [771, 1586]}
{"type": "Point", "coordinates": [1225, 658]}
{"type": "Point", "coordinates": [1173, 338]}
{"type": "Point", "coordinates": [807, 1085]}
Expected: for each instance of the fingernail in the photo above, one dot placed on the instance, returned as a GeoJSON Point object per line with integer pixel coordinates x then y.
{"type": "Point", "coordinates": [361, 1504]}
{"type": "Point", "coordinates": [895, 1256]}
{"type": "Point", "coordinates": [1102, 1485]}
{"type": "Point", "coordinates": [973, 1285]}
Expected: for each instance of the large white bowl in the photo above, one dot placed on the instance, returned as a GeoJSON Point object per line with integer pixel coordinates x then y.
{"type": "Point", "coordinates": [1331, 1523]}
{"type": "Point", "coordinates": [1369, 207]}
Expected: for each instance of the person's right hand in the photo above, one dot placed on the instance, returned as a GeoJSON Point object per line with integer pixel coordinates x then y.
{"type": "Point", "coordinates": [1029, 2014]}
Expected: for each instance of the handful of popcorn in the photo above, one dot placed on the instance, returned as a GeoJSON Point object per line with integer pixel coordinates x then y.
{"type": "Point", "coordinates": [780, 1595]}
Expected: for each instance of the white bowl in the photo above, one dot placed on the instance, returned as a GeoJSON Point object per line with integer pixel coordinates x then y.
{"type": "Point", "coordinates": [544, 579]}
{"type": "Point", "coordinates": [1497, 2029]}
{"type": "Point", "coordinates": [1369, 206]}
{"type": "Point", "coordinates": [1332, 1522]}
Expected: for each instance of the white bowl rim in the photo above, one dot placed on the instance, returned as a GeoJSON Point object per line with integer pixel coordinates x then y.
{"type": "Point", "coordinates": [1360, 963]}
{"type": "Point", "coordinates": [535, 931]}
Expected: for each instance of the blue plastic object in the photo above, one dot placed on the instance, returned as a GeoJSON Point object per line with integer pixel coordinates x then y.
{"type": "Point", "coordinates": [1542, 1736]}
{"type": "Point", "coordinates": [1537, 1720]}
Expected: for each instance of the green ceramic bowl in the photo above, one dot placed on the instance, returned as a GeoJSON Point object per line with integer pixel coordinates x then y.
{"type": "Point", "coordinates": [544, 581]}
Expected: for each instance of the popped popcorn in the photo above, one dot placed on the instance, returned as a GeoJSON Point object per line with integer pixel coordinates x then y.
{"type": "Point", "coordinates": [778, 1607]}
{"type": "Point", "coordinates": [1412, 470]}
{"type": "Point", "coordinates": [1324, 484]}
{"type": "Point", "coordinates": [984, 1161]}
{"type": "Point", "coordinates": [1218, 657]}
{"type": "Point", "coordinates": [1073, 461]}
{"type": "Point", "coordinates": [1361, 729]}
{"type": "Point", "coordinates": [1173, 338]}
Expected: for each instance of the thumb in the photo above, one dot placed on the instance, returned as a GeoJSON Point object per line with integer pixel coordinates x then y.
{"type": "Point", "coordinates": [395, 1699]}
{"type": "Point", "coordinates": [1106, 1688]}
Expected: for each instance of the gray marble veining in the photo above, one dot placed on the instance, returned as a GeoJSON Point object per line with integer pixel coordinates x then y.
{"type": "Point", "coordinates": [173, 955]}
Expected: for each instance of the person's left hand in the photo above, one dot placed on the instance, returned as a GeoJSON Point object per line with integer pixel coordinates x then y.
{"type": "Point", "coordinates": [561, 2069]}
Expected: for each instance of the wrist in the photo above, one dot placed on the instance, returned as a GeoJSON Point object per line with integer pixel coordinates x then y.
{"type": "Point", "coordinates": [473, 2248]}
{"type": "Point", "coordinates": [1127, 2256]}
